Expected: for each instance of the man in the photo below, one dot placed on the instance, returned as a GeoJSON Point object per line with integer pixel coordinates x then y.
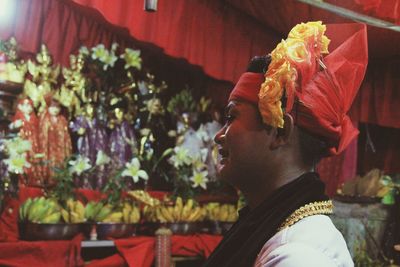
{"type": "Point", "coordinates": [279, 125]}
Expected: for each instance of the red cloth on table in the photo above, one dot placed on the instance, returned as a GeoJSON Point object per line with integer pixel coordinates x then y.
{"type": "Point", "coordinates": [115, 260]}
{"type": "Point", "coordinates": [41, 253]}
{"type": "Point", "coordinates": [9, 216]}
{"type": "Point", "coordinates": [139, 251]}
{"type": "Point", "coordinates": [192, 245]}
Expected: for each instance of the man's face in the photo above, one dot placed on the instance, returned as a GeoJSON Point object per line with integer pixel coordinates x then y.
{"type": "Point", "coordinates": [244, 145]}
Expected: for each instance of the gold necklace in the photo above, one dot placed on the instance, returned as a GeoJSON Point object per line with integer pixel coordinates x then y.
{"type": "Point", "coordinates": [315, 208]}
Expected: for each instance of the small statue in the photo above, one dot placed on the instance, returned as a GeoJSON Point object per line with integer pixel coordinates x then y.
{"type": "Point", "coordinates": [54, 138]}
{"type": "Point", "coordinates": [27, 122]}
{"type": "Point", "coordinates": [122, 139]}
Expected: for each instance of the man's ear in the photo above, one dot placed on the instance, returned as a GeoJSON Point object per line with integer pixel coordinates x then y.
{"type": "Point", "coordinates": [283, 135]}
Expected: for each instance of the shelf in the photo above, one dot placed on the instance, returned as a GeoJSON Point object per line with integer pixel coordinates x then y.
{"type": "Point", "coordinates": [97, 243]}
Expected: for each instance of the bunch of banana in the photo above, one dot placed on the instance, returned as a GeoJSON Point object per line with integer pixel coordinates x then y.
{"type": "Point", "coordinates": [40, 210]}
{"type": "Point", "coordinates": [188, 212]}
{"type": "Point", "coordinates": [74, 212]}
{"type": "Point", "coordinates": [130, 213]}
{"type": "Point", "coordinates": [221, 212]}
{"type": "Point", "coordinates": [144, 197]}
{"type": "Point", "coordinates": [98, 212]}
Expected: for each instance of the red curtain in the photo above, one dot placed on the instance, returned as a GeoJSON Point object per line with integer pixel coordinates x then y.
{"type": "Point", "coordinates": [378, 100]}
{"type": "Point", "coordinates": [207, 33]}
{"type": "Point", "coordinates": [385, 9]}
{"type": "Point", "coordinates": [64, 26]}
{"type": "Point", "coordinates": [338, 169]}
{"type": "Point", "coordinates": [379, 148]}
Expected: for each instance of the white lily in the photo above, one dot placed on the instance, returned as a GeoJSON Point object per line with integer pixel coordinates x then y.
{"type": "Point", "coordinates": [132, 169]}
{"type": "Point", "coordinates": [108, 59]}
{"type": "Point", "coordinates": [17, 163]}
{"type": "Point", "coordinates": [17, 145]}
{"type": "Point", "coordinates": [84, 50]}
{"type": "Point", "coordinates": [198, 165]}
{"type": "Point", "coordinates": [98, 51]}
{"type": "Point", "coordinates": [202, 134]}
{"type": "Point", "coordinates": [102, 158]}
{"type": "Point", "coordinates": [132, 58]}
{"type": "Point", "coordinates": [79, 165]}
{"type": "Point", "coordinates": [199, 179]}
{"type": "Point", "coordinates": [16, 124]}
{"type": "Point", "coordinates": [181, 157]}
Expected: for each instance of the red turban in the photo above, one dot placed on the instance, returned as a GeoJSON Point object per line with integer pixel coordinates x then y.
{"type": "Point", "coordinates": [323, 103]}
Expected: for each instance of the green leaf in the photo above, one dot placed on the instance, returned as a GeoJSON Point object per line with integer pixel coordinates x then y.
{"type": "Point", "coordinates": [388, 199]}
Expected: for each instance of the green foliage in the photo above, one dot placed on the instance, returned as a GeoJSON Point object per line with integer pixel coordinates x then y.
{"type": "Point", "coordinates": [392, 186]}
{"type": "Point", "coordinates": [64, 188]}
{"type": "Point", "coordinates": [181, 103]}
{"type": "Point", "coordinates": [362, 259]}
{"type": "Point", "coordinates": [114, 187]}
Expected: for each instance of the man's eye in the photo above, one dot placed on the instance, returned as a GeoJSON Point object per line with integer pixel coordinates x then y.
{"type": "Point", "coordinates": [229, 118]}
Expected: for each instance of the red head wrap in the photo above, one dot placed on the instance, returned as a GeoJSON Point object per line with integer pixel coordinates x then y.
{"type": "Point", "coordinates": [323, 102]}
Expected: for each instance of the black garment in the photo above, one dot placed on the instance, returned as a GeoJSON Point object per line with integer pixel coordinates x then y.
{"type": "Point", "coordinates": [245, 239]}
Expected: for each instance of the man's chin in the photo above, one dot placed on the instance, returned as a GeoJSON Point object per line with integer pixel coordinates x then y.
{"type": "Point", "coordinates": [224, 173]}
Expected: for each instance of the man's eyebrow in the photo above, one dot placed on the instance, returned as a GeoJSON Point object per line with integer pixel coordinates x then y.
{"type": "Point", "coordinates": [230, 106]}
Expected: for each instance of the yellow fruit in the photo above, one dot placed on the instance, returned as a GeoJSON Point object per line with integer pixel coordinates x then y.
{"type": "Point", "coordinates": [115, 217]}
{"type": "Point", "coordinates": [65, 215]}
{"type": "Point", "coordinates": [75, 217]}
{"type": "Point", "coordinates": [178, 209]}
{"type": "Point", "coordinates": [187, 210]}
{"type": "Point", "coordinates": [52, 218]}
{"type": "Point", "coordinates": [160, 216]}
{"type": "Point", "coordinates": [195, 215]}
{"type": "Point", "coordinates": [79, 209]}
{"type": "Point", "coordinates": [126, 215]}
{"type": "Point", "coordinates": [70, 204]}
{"type": "Point", "coordinates": [135, 215]}
{"type": "Point", "coordinates": [166, 214]}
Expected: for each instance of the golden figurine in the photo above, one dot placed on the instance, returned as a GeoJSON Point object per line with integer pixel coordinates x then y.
{"type": "Point", "coordinates": [54, 137]}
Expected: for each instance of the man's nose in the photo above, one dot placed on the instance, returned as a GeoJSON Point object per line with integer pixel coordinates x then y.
{"type": "Point", "coordinates": [219, 137]}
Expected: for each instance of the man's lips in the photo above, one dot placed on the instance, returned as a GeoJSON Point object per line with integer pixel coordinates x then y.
{"type": "Point", "coordinates": [223, 155]}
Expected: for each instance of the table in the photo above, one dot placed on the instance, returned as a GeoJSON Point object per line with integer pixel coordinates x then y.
{"type": "Point", "coordinates": [134, 251]}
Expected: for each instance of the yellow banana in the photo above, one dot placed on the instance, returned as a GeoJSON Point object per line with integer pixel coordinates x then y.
{"type": "Point", "coordinates": [187, 209]}
{"type": "Point", "coordinates": [160, 216]}
{"type": "Point", "coordinates": [126, 215]}
{"type": "Point", "coordinates": [80, 210]}
{"type": "Point", "coordinates": [195, 215]}
{"type": "Point", "coordinates": [114, 217]}
{"type": "Point", "coordinates": [70, 204]}
{"type": "Point", "coordinates": [52, 218]}
{"type": "Point", "coordinates": [178, 209]}
{"type": "Point", "coordinates": [135, 215]}
{"type": "Point", "coordinates": [65, 215]}
{"type": "Point", "coordinates": [75, 217]}
{"type": "Point", "coordinates": [166, 214]}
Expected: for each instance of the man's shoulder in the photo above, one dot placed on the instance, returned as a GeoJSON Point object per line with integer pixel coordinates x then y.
{"type": "Point", "coordinates": [312, 240]}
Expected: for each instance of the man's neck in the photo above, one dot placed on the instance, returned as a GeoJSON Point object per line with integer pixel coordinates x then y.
{"type": "Point", "coordinates": [258, 193]}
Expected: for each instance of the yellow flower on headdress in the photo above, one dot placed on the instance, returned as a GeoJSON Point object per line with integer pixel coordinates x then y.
{"type": "Point", "coordinates": [296, 55]}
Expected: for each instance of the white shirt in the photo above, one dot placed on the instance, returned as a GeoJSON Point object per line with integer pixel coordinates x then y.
{"type": "Point", "coordinates": [312, 242]}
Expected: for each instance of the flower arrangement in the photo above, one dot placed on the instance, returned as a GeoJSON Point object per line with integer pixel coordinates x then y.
{"type": "Point", "coordinates": [128, 130]}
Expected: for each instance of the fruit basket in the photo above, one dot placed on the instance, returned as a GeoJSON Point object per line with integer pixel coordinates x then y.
{"type": "Point", "coordinates": [218, 227]}
{"type": "Point", "coordinates": [115, 230]}
{"type": "Point", "coordinates": [177, 228]}
{"type": "Point", "coordinates": [48, 231]}
{"type": "Point", "coordinates": [182, 218]}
